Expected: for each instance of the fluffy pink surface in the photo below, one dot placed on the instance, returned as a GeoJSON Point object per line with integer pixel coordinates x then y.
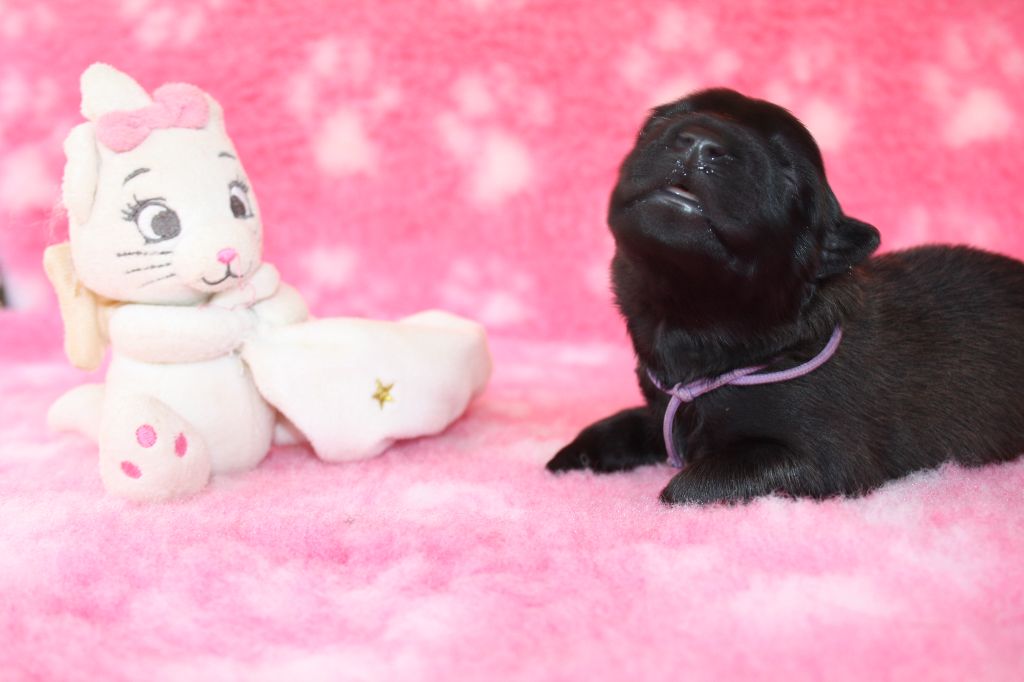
{"type": "Point", "coordinates": [460, 558]}
{"type": "Point", "coordinates": [459, 155]}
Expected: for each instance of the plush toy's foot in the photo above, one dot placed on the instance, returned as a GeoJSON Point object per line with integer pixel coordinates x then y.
{"type": "Point", "coordinates": [148, 452]}
{"type": "Point", "coordinates": [78, 410]}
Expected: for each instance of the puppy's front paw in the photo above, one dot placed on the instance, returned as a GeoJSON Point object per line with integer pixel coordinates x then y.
{"type": "Point", "coordinates": [706, 482]}
{"type": "Point", "coordinates": [684, 489]}
{"type": "Point", "coordinates": [572, 456]}
{"type": "Point", "coordinates": [744, 471]}
{"type": "Point", "coordinates": [621, 442]}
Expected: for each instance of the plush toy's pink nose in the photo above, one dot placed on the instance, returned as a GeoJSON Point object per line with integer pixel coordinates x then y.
{"type": "Point", "coordinates": [225, 256]}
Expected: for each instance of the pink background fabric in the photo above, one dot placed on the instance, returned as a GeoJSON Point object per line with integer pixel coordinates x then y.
{"type": "Point", "coordinates": [459, 155]}
{"type": "Point", "coordinates": [412, 154]}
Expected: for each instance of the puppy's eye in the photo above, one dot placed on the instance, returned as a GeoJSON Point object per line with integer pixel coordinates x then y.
{"type": "Point", "coordinates": [241, 205]}
{"type": "Point", "coordinates": [157, 222]}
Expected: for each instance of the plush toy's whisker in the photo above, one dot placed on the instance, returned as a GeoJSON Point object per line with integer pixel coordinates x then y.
{"type": "Point", "coordinates": [148, 267]}
{"type": "Point", "coordinates": [158, 279]}
{"type": "Point", "coordinates": [143, 253]}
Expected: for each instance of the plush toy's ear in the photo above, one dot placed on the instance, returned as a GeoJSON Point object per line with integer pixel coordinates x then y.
{"type": "Point", "coordinates": [849, 242]}
{"type": "Point", "coordinates": [78, 187]}
{"type": "Point", "coordinates": [83, 312]}
{"type": "Point", "coordinates": [216, 120]}
{"type": "Point", "coordinates": [105, 89]}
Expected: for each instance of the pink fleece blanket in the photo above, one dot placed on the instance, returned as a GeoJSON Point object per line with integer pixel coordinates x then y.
{"type": "Point", "coordinates": [459, 155]}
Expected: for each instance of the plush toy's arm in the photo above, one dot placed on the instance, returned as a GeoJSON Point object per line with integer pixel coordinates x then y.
{"type": "Point", "coordinates": [284, 307]}
{"type": "Point", "coordinates": [274, 302]}
{"type": "Point", "coordinates": [166, 333]}
{"type": "Point", "coordinates": [262, 285]}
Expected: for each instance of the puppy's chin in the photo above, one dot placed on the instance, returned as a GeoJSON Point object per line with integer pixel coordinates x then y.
{"type": "Point", "coordinates": [669, 226]}
{"type": "Point", "coordinates": [675, 261]}
{"type": "Point", "coordinates": [683, 202]}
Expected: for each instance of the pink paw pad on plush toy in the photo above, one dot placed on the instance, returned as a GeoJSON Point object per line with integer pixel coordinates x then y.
{"type": "Point", "coordinates": [145, 459]}
{"type": "Point", "coordinates": [146, 437]}
{"type": "Point", "coordinates": [130, 469]}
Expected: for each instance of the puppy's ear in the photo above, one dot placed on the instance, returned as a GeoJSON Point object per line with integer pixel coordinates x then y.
{"type": "Point", "coordinates": [849, 242]}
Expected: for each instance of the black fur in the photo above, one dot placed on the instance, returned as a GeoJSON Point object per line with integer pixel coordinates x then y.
{"type": "Point", "coordinates": [752, 261]}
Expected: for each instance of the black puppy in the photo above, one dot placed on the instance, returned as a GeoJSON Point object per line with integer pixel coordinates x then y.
{"type": "Point", "coordinates": [732, 252]}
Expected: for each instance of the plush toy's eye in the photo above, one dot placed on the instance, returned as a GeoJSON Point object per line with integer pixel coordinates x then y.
{"type": "Point", "coordinates": [241, 206]}
{"type": "Point", "coordinates": [157, 222]}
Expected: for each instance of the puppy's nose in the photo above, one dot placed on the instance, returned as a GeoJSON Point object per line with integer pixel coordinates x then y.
{"type": "Point", "coordinates": [699, 144]}
{"type": "Point", "coordinates": [225, 256]}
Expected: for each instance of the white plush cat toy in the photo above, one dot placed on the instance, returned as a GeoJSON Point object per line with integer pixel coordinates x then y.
{"type": "Point", "coordinates": [213, 357]}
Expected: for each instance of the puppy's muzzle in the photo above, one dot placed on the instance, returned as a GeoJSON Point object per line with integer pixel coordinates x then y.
{"type": "Point", "coordinates": [698, 146]}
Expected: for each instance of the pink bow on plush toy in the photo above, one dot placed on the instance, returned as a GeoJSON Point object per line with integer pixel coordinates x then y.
{"type": "Point", "coordinates": [176, 105]}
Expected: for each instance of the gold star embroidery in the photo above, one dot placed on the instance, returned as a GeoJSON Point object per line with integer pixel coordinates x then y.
{"type": "Point", "coordinates": [383, 393]}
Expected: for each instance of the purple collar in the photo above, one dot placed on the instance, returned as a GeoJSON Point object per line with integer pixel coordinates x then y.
{"type": "Point", "coordinates": [685, 393]}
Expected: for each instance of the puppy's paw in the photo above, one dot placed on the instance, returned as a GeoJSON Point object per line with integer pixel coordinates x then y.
{"type": "Point", "coordinates": [621, 442]}
{"type": "Point", "coordinates": [572, 456]}
{"type": "Point", "coordinates": [739, 475]}
{"type": "Point", "coordinates": [683, 490]}
{"type": "Point", "coordinates": [593, 450]}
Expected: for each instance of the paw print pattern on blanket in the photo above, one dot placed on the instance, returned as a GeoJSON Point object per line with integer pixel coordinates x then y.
{"type": "Point", "coordinates": [341, 96]}
{"type": "Point", "coordinates": [974, 109]}
{"type": "Point", "coordinates": [167, 24]}
{"type": "Point", "coordinates": [965, 84]}
{"type": "Point", "coordinates": [499, 162]}
{"type": "Point", "coordinates": [650, 64]}
{"type": "Point", "coordinates": [356, 122]}
{"type": "Point", "coordinates": [499, 291]}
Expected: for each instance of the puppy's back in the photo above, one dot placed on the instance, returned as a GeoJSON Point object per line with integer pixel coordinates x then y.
{"type": "Point", "coordinates": [943, 339]}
